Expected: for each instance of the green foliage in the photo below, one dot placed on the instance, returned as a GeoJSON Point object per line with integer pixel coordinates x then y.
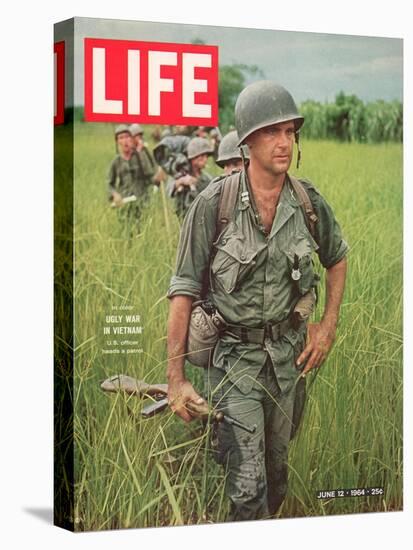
{"type": "Point", "coordinates": [350, 119]}
{"type": "Point", "coordinates": [232, 79]}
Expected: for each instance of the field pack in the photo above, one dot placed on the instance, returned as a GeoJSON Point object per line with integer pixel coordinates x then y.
{"type": "Point", "coordinates": [297, 409]}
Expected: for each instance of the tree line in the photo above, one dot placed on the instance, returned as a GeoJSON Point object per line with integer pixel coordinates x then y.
{"type": "Point", "coordinates": [348, 118]}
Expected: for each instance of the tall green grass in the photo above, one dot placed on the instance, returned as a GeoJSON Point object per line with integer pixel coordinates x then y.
{"type": "Point", "coordinates": [134, 473]}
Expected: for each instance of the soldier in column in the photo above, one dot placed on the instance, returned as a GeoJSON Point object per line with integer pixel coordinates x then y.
{"type": "Point", "coordinates": [259, 268]}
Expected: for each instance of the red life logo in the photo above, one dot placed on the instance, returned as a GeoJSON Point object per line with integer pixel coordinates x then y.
{"type": "Point", "coordinates": [59, 82]}
{"type": "Point", "coordinates": [151, 82]}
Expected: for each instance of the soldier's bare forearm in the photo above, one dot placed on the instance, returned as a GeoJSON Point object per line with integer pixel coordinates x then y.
{"type": "Point", "coordinates": [180, 390]}
{"type": "Point", "coordinates": [335, 280]}
{"type": "Point", "coordinates": [321, 336]}
{"type": "Point", "coordinates": [178, 323]}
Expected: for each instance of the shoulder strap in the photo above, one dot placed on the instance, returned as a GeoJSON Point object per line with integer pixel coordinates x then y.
{"type": "Point", "coordinates": [226, 206]}
{"type": "Point", "coordinates": [227, 201]}
{"type": "Point", "coordinates": [138, 158]}
{"type": "Point", "coordinates": [305, 202]}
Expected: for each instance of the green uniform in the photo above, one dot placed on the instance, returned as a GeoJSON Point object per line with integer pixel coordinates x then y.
{"type": "Point", "coordinates": [186, 197]}
{"type": "Point", "coordinates": [147, 167]}
{"type": "Point", "coordinates": [252, 285]}
{"type": "Point", "coordinates": [123, 177]}
{"type": "Point", "coordinates": [130, 177]}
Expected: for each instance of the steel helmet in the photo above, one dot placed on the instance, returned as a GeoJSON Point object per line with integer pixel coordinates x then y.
{"type": "Point", "coordinates": [135, 129]}
{"type": "Point", "coordinates": [228, 149]}
{"type": "Point", "coordinates": [264, 103]}
{"type": "Point", "coordinates": [198, 146]}
{"type": "Point", "coordinates": [121, 129]}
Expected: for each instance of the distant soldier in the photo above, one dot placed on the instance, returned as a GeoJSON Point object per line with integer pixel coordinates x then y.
{"type": "Point", "coordinates": [229, 154]}
{"type": "Point", "coordinates": [201, 131]}
{"type": "Point", "coordinates": [147, 165]}
{"type": "Point", "coordinates": [136, 131]}
{"type": "Point", "coordinates": [170, 153]}
{"type": "Point", "coordinates": [183, 130]}
{"type": "Point", "coordinates": [190, 178]}
{"type": "Point", "coordinates": [165, 132]}
{"type": "Point", "coordinates": [216, 137]}
{"type": "Point", "coordinates": [126, 189]}
{"type": "Point", "coordinates": [156, 133]}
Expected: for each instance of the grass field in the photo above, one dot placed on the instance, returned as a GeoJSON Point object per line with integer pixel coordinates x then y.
{"type": "Point", "coordinates": [135, 473]}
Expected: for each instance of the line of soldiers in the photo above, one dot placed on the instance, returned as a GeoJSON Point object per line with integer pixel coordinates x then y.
{"type": "Point", "coordinates": [178, 159]}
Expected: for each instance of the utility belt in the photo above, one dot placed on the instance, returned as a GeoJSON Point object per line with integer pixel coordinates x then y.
{"type": "Point", "coordinates": [207, 325]}
{"type": "Point", "coordinates": [258, 335]}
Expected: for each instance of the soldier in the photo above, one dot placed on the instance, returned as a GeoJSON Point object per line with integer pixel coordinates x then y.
{"type": "Point", "coordinates": [260, 267]}
{"type": "Point", "coordinates": [147, 165]}
{"type": "Point", "coordinates": [229, 155]}
{"type": "Point", "coordinates": [136, 131]}
{"type": "Point", "coordinates": [216, 137]}
{"type": "Point", "coordinates": [182, 130]}
{"type": "Point", "coordinates": [190, 179]}
{"type": "Point", "coordinates": [156, 133]}
{"type": "Point", "coordinates": [201, 131]}
{"type": "Point", "coordinates": [126, 188]}
{"type": "Point", "coordinates": [165, 132]}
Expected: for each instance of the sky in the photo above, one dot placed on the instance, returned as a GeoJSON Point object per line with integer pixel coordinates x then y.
{"type": "Point", "coordinates": [310, 65]}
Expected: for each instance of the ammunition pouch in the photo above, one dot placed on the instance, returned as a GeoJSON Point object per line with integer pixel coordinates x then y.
{"type": "Point", "coordinates": [205, 326]}
{"type": "Point", "coordinates": [304, 308]}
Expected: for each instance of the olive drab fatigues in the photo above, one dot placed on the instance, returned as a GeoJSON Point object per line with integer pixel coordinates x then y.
{"type": "Point", "coordinates": [130, 177]}
{"type": "Point", "coordinates": [147, 167]}
{"type": "Point", "coordinates": [251, 285]}
{"type": "Point", "coordinates": [186, 197]}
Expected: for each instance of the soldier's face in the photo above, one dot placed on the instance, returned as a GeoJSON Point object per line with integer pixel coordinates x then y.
{"type": "Point", "coordinates": [200, 161]}
{"type": "Point", "coordinates": [234, 164]}
{"type": "Point", "coordinates": [181, 129]}
{"type": "Point", "coordinates": [138, 140]}
{"type": "Point", "coordinates": [124, 142]}
{"type": "Point", "coordinates": [272, 148]}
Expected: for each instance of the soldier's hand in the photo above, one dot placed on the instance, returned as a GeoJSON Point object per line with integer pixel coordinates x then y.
{"type": "Point", "coordinates": [320, 339]}
{"type": "Point", "coordinates": [185, 181]}
{"type": "Point", "coordinates": [159, 176]}
{"type": "Point", "coordinates": [117, 199]}
{"type": "Point", "coordinates": [181, 392]}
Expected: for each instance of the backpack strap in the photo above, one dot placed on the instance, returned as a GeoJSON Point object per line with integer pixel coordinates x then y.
{"type": "Point", "coordinates": [227, 201]}
{"type": "Point", "coordinates": [138, 158]}
{"type": "Point", "coordinates": [226, 206]}
{"type": "Point", "coordinates": [229, 194]}
{"type": "Point", "coordinates": [305, 202]}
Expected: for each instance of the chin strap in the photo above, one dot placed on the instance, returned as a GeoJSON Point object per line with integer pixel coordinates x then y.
{"type": "Point", "coordinates": [244, 160]}
{"type": "Point", "coordinates": [297, 140]}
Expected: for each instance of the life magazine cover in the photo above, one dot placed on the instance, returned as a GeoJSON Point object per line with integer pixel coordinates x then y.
{"type": "Point", "coordinates": [228, 274]}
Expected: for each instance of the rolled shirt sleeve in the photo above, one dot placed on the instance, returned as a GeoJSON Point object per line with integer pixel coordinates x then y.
{"type": "Point", "coordinates": [195, 244]}
{"type": "Point", "coordinates": [328, 234]}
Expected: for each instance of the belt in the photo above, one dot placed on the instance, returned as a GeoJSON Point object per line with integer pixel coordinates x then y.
{"type": "Point", "coordinates": [258, 335]}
